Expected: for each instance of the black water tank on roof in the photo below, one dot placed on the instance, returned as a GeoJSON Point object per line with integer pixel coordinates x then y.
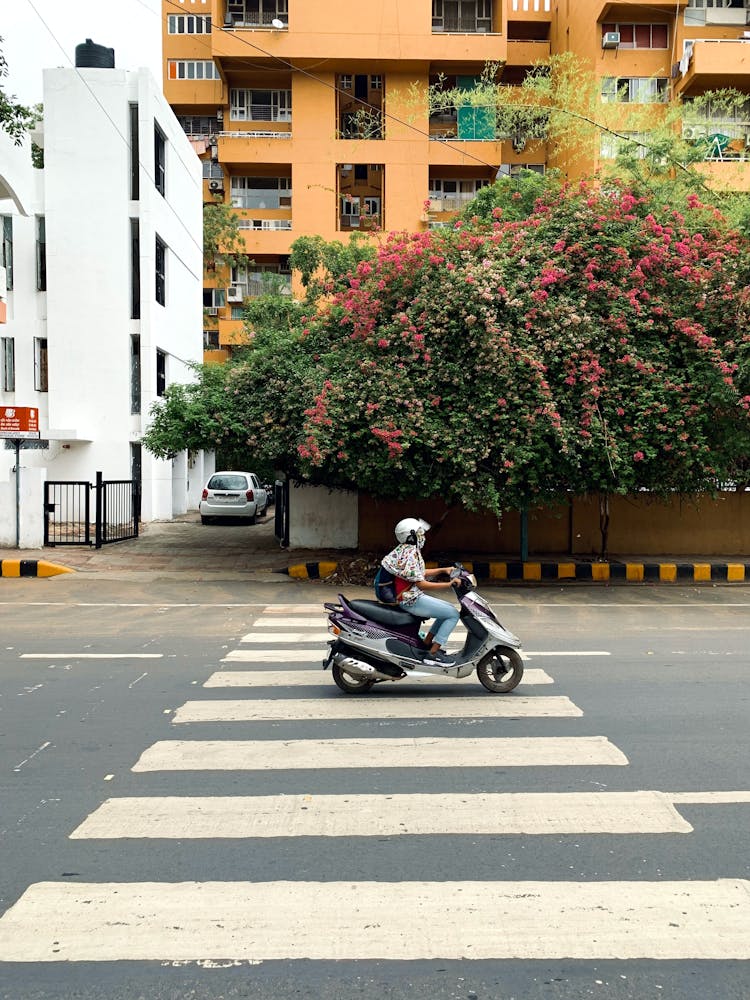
{"type": "Point", "coordinates": [88, 53]}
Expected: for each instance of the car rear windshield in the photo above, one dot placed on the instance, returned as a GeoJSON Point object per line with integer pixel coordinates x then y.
{"type": "Point", "coordinates": [227, 483]}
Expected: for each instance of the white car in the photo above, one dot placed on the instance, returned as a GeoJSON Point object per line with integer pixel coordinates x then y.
{"type": "Point", "coordinates": [233, 494]}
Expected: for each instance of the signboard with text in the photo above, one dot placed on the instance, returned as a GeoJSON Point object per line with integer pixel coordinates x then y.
{"type": "Point", "coordinates": [19, 422]}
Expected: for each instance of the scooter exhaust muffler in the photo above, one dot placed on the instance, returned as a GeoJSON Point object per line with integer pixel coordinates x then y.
{"type": "Point", "coordinates": [360, 669]}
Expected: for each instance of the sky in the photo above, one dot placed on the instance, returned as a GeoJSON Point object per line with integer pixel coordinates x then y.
{"type": "Point", "coordinates": [39, 34]}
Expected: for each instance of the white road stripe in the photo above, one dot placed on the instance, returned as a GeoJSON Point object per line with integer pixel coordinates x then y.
{"type": "Point", "coordinates": [287, 678]}
{"type": "Point", "coordinates": [377, 707]}
{"type": "Point", "coordinates": [257, 638]}
{"type": "Point", "coordinates": [279, 755]}
{"type": "Point", "coordinates": [383, 815]}
{"type": "Point", "coordinates": [279, 621]}
{"type": "Point", "coordinates": [91, 656]}
{"type": "Point", "coordinates": [266, 921]}
{"type": "Point", "coordinates": [709, 798]}
{"type": "Point", "coordinates": [274, 656]}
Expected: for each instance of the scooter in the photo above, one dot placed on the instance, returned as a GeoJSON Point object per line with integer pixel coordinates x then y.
{"type": "Point", "coordinates": [374, 642]}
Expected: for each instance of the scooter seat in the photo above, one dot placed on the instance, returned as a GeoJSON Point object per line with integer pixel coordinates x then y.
{"type": "Point", "coordinates": [382, 614]}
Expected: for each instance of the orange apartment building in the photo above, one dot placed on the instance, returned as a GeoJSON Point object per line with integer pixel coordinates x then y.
{"type": "Point", "coordinates": [312, 119]}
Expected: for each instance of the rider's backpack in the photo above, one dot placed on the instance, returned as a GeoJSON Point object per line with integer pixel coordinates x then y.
{"type": "Point", "coordinates": [385, 586]}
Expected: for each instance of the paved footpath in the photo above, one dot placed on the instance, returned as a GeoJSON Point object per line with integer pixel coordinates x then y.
{"type": "Point", "coordinates": [183, 548]}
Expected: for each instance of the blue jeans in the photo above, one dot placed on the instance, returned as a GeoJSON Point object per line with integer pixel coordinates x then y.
{"type": "Point", "coordinates": [445, 615]}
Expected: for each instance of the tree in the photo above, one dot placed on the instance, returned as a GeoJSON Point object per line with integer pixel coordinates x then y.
{"type": "Point", "coordinates": [223, 243]}
{"type": "Point", "coordinates": [600, 344]}
{"type": "Point", "coordinates": [15, 118]}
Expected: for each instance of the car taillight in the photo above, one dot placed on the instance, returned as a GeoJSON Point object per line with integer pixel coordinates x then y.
{"type": "Point", "coordinates": [204, 495]}
{"type": "Point", "coordinates": [250, 495]}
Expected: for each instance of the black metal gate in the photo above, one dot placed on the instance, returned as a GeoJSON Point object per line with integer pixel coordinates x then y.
{"type": "Point", "coordinates": [67, 512]}
{"type": "Point", "coordinates": [281, 512]}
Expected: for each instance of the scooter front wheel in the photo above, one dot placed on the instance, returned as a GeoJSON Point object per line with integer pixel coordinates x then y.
{"type": "Point", "coordinates": [501, 670]}
{"type": "Point", "coordinates": [349, 684]}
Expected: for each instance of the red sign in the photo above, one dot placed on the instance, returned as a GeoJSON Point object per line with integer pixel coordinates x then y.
{"type": "Point", "coordinates": [19, 422]}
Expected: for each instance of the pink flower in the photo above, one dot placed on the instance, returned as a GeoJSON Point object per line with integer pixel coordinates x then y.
{"type": "Point", "coordinates": [638, 456]}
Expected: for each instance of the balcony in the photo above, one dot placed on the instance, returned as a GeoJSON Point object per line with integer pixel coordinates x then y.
{"type": "Point", "coordinates": [526, 52]}
{"type": "Point", "coordinates": [255, 146]}
{"type": "Point", "coordinates": [714, 63]}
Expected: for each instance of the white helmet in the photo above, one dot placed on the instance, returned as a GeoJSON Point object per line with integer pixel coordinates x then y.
{"type": "Point", "coordinates": [411, 530]}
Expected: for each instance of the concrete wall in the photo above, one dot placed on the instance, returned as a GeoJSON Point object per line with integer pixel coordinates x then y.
{"type": "Point", "coordinates": [30, 524]}
{"type": "Point", "coordinates": [320, 518]}
{"type": "Point", "coordinates": [639, 525]}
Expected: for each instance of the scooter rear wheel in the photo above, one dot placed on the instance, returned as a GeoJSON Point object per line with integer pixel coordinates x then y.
{"type": "Point", "coordinates": [349, 684]}
{"type": "Point", "coordinates": [501, 671]}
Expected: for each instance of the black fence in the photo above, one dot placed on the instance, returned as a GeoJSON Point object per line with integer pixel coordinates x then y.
{"type": "Point", "coordinates": [67, 512]}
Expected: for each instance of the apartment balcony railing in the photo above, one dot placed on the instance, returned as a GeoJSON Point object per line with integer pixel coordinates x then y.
{"type": "Point", "coordinates": [264, 225]}
{"type": "Point", "coordinates": [255, 133]}
{"type": "Point", "coordinates": [720, 141]}
{"type": "Point", "coordinates": [531, 6]}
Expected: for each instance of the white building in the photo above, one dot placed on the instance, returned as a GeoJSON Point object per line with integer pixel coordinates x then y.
{"type": "Point", "coordinates": [102, 252]}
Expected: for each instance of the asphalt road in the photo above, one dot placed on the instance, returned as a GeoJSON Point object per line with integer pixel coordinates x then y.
{"type": "Point", "coordinates": [95, 673]}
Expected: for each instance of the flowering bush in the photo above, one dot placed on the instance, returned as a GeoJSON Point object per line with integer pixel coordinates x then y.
{"type": "Point", "coordinates": [599, 344]}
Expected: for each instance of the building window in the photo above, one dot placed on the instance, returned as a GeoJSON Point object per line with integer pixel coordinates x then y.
{"type": "Point", "coordinates": [256, 13]}
{"type": "Point", "coordinates": [161, 372]}
{"type": "Point", "coordinates": [611, 145]}
{"type": "Point", "coordinates": [462, 15]}
{"type": "Point", "coordinates": [192, 69]}
{"type": "Point", "coordinates": [202, 126]}
{"type": "Point", "coordinates": [8, 361]}
{"type": "Point", "coordinates": [516, 169]}
{"type": "Point", "coordinates": [640, 36]}
{"type": "Point", "coordinates": [41, 254]}
{"type": "Point", "coordinates": [635, 89]}
{"type": "Point", "coordinates": [451, 195]}
{"type": "Point", "coordinates": [134, 154]}
{"type": "Point", "coordinates": [135, 270]}
{"type": "Point", "coordinates": [210, 340]}
{"type": "Point", "coordinates": [160, 160]}
{"type": "Point", "coordinates": [135, 373]}
{"type": "Point", "coordinates": [212, 171]}
{"type": "Point", "coordinates": [261, 279]}
{"type": "Point", "coordinates": [7, 257]}
{"type": "Point", "coordinates": [261, 192]}
{"type": "Point", "coordinates": [40, 364]}
{"type": "Point", "coordinates": [188, 24]}
{"type": "Point", "coordinates": [161, 272]}
{"type": "Point", "coordinates": [213, 298]}
{"type": "Point", "coordinates": [260, 105]}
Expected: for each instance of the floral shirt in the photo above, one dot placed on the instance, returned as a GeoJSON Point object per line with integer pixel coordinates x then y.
{"type": "Point", "coordinates": [406, 561]}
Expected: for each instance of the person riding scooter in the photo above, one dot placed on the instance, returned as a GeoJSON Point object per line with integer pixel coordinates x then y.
{"type": "Point", "coordinates": [412, 580]}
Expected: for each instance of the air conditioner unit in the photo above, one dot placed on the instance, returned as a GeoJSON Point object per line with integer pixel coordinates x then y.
{"type": "Point", "coordinates": [610, 39]}
{"type": "Point", "coordinates": [212, 311]}
{"type": "Point", "coordinates": [217, 186]}
{"type": "Point", "coordinates": [693, 132]}
{"type": "Point", "coordinates": [234, 293]}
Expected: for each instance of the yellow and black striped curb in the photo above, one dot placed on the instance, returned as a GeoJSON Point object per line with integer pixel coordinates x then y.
{"type": "Point", "coordinates": [559, 572]}
{"type": "Point", "coordinates": [30, 567]}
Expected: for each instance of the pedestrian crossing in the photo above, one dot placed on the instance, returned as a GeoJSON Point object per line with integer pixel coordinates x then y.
{"type": "Point", "coordinates": [178, 921]}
